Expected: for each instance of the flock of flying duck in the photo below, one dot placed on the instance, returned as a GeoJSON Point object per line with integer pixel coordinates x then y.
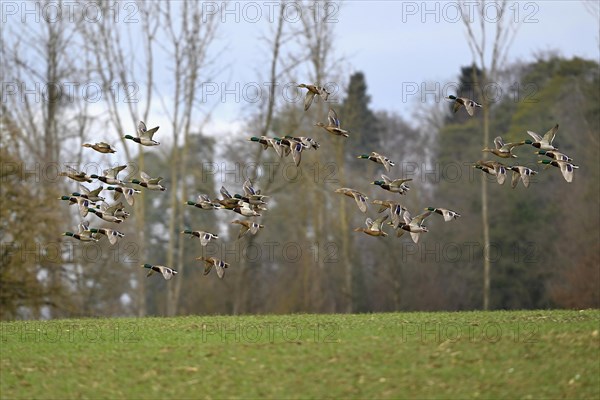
{"type": "Point", "coordinates": [252, 202]}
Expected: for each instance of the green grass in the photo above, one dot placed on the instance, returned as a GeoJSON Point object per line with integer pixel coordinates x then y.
{"type": "Point", "coordinates": [528, 354]}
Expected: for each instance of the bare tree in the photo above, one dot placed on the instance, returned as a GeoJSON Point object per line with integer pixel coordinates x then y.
{"type": "Point", "coordinates": [190, 33]}
{"type": "Point", "coordinates": [504, 33]}
{"type": "Point", "coordinates": [43, 109]}
{"type": "Point", "coordinates": [116, 64]}
{"type": "Point", "coordinates": [316, 36]}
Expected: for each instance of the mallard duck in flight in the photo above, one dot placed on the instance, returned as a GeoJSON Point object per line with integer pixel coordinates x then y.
{"type": "Point", "coordinates": [555, 155]}
{"type": "Point", "coordinates": [110, 176]}
{"type": "Point", "coordinates": [144, 135]}
{"type": "Point", "coordinates": [247, 226]}
{"type": "Point", "coordinates": [76, 175]}
{"type": "Point", "coordinates": [148, 182]}
{"type": "Point", "coordinates": [448, 215]}
{"type": "Point", "coordinates": [101, 147]}
{"type": "Point", "coordinates": [106, 213]}
{"type": "Point", "coordinates": [91, 195]}
{"type": "Point", "coordinates": [308, 143]}
{"type": "Point", "coordinates": [374, 228]}
{"type": "Point", "coordinates": [111, 234]}
{"type": "Point", "coordinates": [84, 234]}
{"type": "Point", "coordinates": [333, 126]}
{"type": "Point", "coordinates": [219, 265]}
{"type": "Point", "coordinates": [81, 202]}
{"type": "Point", "coordinates": [126, 191]}
{"type": "Point", "coordinates": [543, 143]}
{"type": "Point", "coordinates": [267, 142]}
{"type": "Point", "coordinates": [204, 237]}
{"type": "Point", "coordinates": [413, 225]}
{"type": "Point", "coordinates": [393, 185]}
{"type": "Point", "coordinates": [566, 168]}
{"type": "Point", "coordinates": [166, 272]}
{"type": "Point", "coordinates": [504, 150]}
{"type": "Point", "coordinates": [467, 103]}
{"type": "Point", "coordinates": [313, 90]}
{"type": "Point", "coordinates": [291, 146]}
{"type": "Point", "coordinates": [396, 210]}
{"type": "Point", "coordinates": [204, 202]}
{"type": "Point", "coordinates": [521, 172]}
{"type": "Point", "coordinates": [378, 158]}
{"type": "Point", "coordinates": [360, 198]}
{"type": "Point", "coordinates": [493, 168]}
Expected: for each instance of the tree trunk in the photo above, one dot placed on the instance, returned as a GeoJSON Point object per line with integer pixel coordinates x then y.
{"type": "Point", "coordinates": [484, 216]}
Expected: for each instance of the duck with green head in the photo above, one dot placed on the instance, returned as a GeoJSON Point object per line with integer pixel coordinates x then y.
{"type": "Point", "coordinates": [148, 182]}
{"type": "Point", "coordinates": [166, 272]}
{"type": "Point", "coordinates": [204, 237]}
{"type": "Point", "coordinates": [110, 176]}
{"type": "Point", "coordinates": [464, 102]}
{"type": "Point", "coordinates": [144, 135]}
{"type": "Point", "coordinates": [204, 203]}
{"type": "Point", "coordinates": [545, 142]}
{"type": "Point", "coordinates": [555, 155]}
{"type": "Point", "coordinates": [379, 159]}
{"type": "Point", "coordinates": [393, 185]}
{"type": "Point", "coordinates": [566, 168]}
{"type": "Point", "coordinates": [448, 215]}
{"type": "Point", "coordinates": [267, 142]}
{"type": "Point", "coordinates": [83, 235]}
{"type": "Point", "coordinates": [81, 202]}
{"type": "Point", "coordinates": [91, 195]}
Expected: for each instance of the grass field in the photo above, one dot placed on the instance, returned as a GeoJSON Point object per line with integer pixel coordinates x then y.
{"type": "Point", "coordinates": [529, 354]}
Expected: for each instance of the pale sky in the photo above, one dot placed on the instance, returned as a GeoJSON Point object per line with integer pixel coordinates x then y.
{"type": "Point", "coordinates": [398, 43]}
